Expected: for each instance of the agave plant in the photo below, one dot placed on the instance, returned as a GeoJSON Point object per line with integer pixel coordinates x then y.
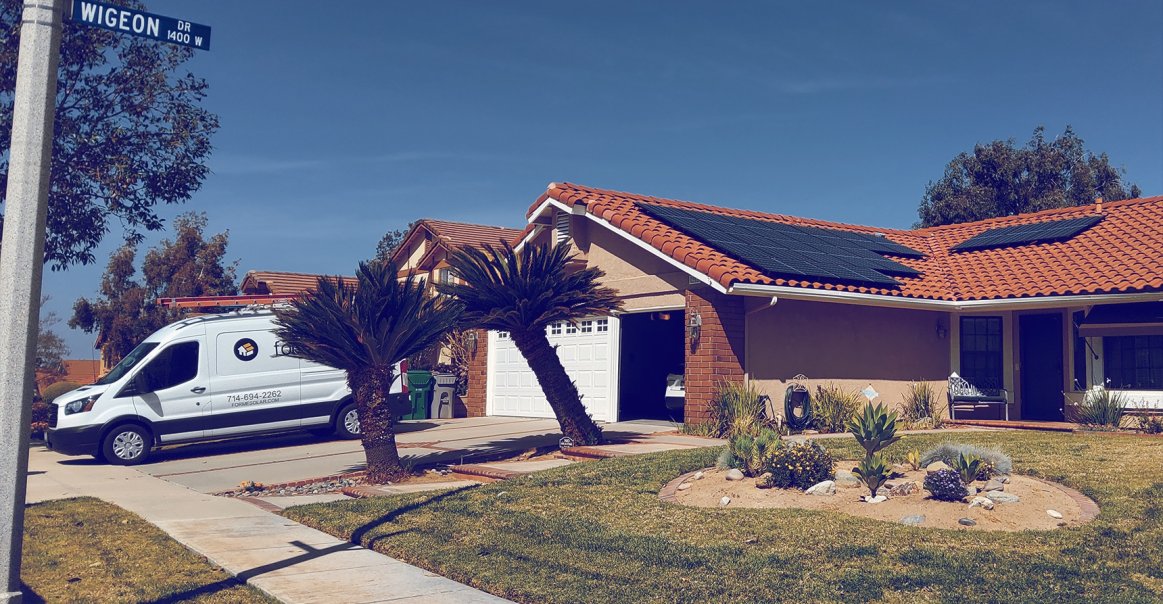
{"type": "Point", "coordinates": [522, 293]}
{"type": "Point", "coordinates": [874, 472]}
{"type": "Point", "coordinates": [874, 429]}
{"type": "Point", "coordinates": [913, 458]}
{"type": "Point", "coordinates": [969, 467]}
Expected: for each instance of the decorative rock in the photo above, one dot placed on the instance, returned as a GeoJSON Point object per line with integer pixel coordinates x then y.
{"type": "Point", "coordinates": [994, 484]}
{"type": "Point", "coordinates": [699, 475]}
{"type": "Point", "coordinates": [824, 488]}
{"type": "Point", "coordinates": [913, 520]}
{"type": "Point", "coordinates": [936, 465]}
{"type": "Point", "coordinates": [724, 501]}
{"type": "Point", "coordinates": [734, 474]}
{"type": "Point", "coordinates": [684, 486]}
{"type": "Point", "coordinates": [967, 522]}
{"type": "Point", "coordinates": [847, 479]}
{"type": "Point", "coordinates": [877, 499]}
{"type": "Point", "coordinates": [972, 490]}
{"type": "Point", "coordinates": [982, 502]}
{"type": "Point", "coordinates": [1004, 479]}
{"type": "Point", "coordinates": [1054, 514]}
{"type": "Point", "coordinates": [904, 488]}
{"type": "Point", "coordinates": [1003, 497]}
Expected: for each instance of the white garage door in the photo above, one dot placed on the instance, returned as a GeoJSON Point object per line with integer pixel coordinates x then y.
{"type": "Point", "coordinates": [589, 352]}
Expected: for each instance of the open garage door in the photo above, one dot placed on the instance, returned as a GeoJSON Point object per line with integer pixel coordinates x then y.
{"type": "Point", "coordinates": [589, 352]}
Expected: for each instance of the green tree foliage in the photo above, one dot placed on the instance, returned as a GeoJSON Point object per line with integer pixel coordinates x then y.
{"type": "Point", "coordinates": [126, 311]}
{"type": "Point", "coordinates": [130, 133]}
{"type": "Point", "coordinates": [1000, 179]}
{"type": "Point", "coordinates": [365, 331]}
{"type": "Point", "coordinates": [51, 349]}
{"type": "Point", "coordinates": [390, 241]}
{"type": "Point", "coordinates": [522, 293]}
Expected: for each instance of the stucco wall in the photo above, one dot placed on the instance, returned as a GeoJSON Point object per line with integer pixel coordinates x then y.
{"type": "Point", "coordinates": [643, 280]}
{"type": "Point", "coordinates": [849, 345]}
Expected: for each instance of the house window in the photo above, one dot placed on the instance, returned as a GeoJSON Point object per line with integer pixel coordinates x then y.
{"type": "Point", "coordinates": [981, 352]}
{"type": "Point", "coordinates": [603, 325]}
{"type": "Point", "coordinates": [1133, 362]}
{"type": "Point", "coordinates": [502, 335]}
{"type": "Point", "coordinates": [587, 327]}
{"type": "Point", "coordinates": [444, 276]}
{"type": "Point", "coordinates": [570, 328]}
{"type": "Point", "coordinates": [555, 329]}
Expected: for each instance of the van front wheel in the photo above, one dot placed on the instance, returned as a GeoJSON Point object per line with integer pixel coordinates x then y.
{"type": "Point", "coordinates": [127, 445]}
{"type": "Point", "coordinates": [347, 422]}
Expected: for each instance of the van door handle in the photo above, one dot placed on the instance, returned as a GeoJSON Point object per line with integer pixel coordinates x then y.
{"type": "Point", "coordinates": [198, 389]}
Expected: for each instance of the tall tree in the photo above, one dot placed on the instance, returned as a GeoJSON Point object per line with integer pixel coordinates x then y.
{"type": "Point", "coordinates": [522, 293]}
{"type": "Point", "coordinates": [1000, 179]}
{"type": "Point", "coordinates": [129, 133]}
{"type": "Point", "coordinates": [126, 311]}
{"type": "Point", "coordinates": [365, 330]}
{"type": "Point", "coordinates": [390, 241]}
{"type": "Point", "coordinates": [51, 349]}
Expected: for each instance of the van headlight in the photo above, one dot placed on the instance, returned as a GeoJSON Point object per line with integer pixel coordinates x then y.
{"type": "Point", "coordinates": [80, 405]}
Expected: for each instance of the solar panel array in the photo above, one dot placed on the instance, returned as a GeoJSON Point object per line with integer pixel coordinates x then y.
{"type": "Point", "coordinates": [1056, 230]}
{"type": "Point", "coordinates": [793, 251]}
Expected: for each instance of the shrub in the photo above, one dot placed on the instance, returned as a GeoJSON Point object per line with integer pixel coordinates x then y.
{"type": "Point", "coordinates": [1102, 409]}
{"type": "Point", "coordinates": [737, 408]}
{"type": "Point", "coordinates": [833, 407]}
{"type": "Point", "coordinates": [1151, 424]}
{"type": "Point", "coordinates": [40, 413]}
{"type": "Point", "coordinates": [873, 471]}
{"type": "Point", "coordinates": [994, 462]}
{"type": "Point", "coordinates": [52, 391]}
{"type": "Point", "coordinates": [946, 485]}
{"type": "Point", "coordinates": [799, 465]}
{"type": "Point", "coordinates": [921, 403]}
{"type": "Point", "coordinates": [969, 467]}
{"type": "Point", "coordinates": [750, 453]}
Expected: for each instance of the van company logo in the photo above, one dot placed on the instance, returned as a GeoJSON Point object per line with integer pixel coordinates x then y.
{"type": "Point", "coordinates": [246, 349]}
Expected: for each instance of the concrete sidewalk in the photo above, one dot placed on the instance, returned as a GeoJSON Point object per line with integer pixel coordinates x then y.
{"type": "Point", "coordinates": [285, 559]}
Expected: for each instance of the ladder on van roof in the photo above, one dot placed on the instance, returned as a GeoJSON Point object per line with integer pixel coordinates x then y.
{"type": "Point", "coordinates": [225, 301]}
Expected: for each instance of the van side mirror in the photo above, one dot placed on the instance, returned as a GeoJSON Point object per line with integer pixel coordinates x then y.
{"type": "Point", "coordinates": [141, 384]}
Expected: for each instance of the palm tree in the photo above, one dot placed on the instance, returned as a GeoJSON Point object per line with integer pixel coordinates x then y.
{"type": "Point", "coordinates": [365, 330]}
{"type": "Point", "coordinates": [522, 293]}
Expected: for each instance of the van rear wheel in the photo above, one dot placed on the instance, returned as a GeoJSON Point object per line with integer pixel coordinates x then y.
{"type": "Point", "coordinates": [127, 445]}
{"type": "Point", "coordinates": [347, 422]}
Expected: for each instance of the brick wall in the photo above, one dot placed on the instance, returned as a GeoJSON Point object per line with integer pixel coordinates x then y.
{"type": "Point", "coordinates": [718, 352]}
{"type": "Point", "coordinates": [474, 399]}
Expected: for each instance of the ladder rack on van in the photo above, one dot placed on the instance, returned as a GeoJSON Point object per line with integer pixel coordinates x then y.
{"type": "Point", "coordinates": [225, 301]}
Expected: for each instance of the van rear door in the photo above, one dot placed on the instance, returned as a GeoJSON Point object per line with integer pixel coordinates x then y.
{"type": "Point", "coordinates": [255, 387]}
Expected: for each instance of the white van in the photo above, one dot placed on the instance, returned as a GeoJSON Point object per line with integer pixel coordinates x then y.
{"type": "Point", "coordinates": [206, 377]}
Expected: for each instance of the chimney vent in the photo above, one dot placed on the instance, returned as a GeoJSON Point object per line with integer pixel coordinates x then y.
{"type": "Point", "coordinates": [1098, 205]}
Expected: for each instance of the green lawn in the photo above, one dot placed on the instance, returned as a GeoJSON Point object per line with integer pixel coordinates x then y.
{"type": "Point", "coordinates": [86, 550]}
{"type": "Point", "coordinates": [596, 532]}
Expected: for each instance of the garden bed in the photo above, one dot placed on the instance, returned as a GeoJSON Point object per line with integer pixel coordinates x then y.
{"type": "Point", "coordinates": [1035, 498]}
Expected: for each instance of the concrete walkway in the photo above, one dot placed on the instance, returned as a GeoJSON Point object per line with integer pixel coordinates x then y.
{"type": "Point", "coordinates": [287, 560]}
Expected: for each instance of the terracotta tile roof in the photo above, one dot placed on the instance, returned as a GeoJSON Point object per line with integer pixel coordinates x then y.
{"type": "Point", "coordinates": [1123, 253]}
{"type": "Point", "coordinates": [460, 234]}
{"type": "Point", "coordinates": [282, 283]}
{"type": "Point", "coordinates": [77, 371]}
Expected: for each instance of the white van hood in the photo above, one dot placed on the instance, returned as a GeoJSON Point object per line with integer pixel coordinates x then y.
{"type": "Point", "coordinates": [80, 393]}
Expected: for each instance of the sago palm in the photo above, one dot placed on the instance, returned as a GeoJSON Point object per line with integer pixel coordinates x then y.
{"type": "Point", "coordinates": [365, 330]}
{"type": "Point", "coordinates": [522, 293]}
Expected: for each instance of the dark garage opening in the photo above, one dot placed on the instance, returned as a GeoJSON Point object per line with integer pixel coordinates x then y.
{"type": "Point", "coordinates": [652, 347]}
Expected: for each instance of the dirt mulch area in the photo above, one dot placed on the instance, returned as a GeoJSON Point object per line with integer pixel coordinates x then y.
{"type": "Point", "coordinates": [1030, 513]}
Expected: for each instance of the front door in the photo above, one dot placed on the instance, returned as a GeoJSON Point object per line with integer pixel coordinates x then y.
{"type": "Point", "coordinates": [1041, 372]}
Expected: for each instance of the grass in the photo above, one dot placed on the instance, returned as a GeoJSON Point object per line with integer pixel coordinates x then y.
{"type": "Point", "coordinates": [596, 532]}
{"type": "Point", "coordinates": [86, 550]}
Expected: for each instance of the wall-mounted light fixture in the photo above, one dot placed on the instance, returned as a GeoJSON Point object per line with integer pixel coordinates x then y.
{"type": "Point", "coordinates": [942, 331]}
{"type": "Point", "coordinates": [695, 325]}
{"type": "Point", "coordinates": [471, 342]}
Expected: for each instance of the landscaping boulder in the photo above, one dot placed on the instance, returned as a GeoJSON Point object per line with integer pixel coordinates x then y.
{"type": "Point", "coordinates": [699, 475]}
{"type": "Point", "coordinates": [904, 488]}
{"type": "Point", "coordinates": [913, 520]}
{"type": "Point", "coordinates": [724, 501]}
{"type": "Point", "coordinates": [983, 502]}
{"type": "Point", "coordinates": [936, 466]}
{"type": "Point", "coordinates": [1003, 497]}
{"type": "Point", "coordinates": [684, 486]}
{"type": "Point", "coordinates": [824, 488]}
{"type": "Point", "coordinates": [847, 479]}
{"type": "Point", "coordinates": [734, 474]}
{"type": "Point", "coordinates": [877, 499]}
{"type": "Point", "coordinates": [994, 484]}
{"type": "Point", "coordinates": [1054, 514]}
{"type": "Point", "coordinates": [967, 522]}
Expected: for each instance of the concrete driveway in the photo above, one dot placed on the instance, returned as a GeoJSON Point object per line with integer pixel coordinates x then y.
{"type": "Point", "coordinates": [221, 465]}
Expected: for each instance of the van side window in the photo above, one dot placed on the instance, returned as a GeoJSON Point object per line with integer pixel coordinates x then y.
{"type": "Point", "coordinates": [172, 366]}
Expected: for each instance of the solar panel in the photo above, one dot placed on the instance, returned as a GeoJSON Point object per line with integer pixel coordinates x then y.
{"type": "Point", "coordinates": [1037, 232]}
{"type": "Point", "coordinates": [794, 251]}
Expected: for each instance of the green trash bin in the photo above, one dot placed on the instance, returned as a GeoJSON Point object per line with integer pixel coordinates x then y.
{"type": "Point", "coordinates": [419, 393]}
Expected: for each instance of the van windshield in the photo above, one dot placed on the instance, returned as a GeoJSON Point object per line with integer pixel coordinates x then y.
{"type": "Point", "coordinates": [129, 362]}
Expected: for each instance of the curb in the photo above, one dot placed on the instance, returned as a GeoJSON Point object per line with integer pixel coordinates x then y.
{"type": "Point", "coordinates": [262, 505]}
{"type": "Point", "coordinates": [294, 484]}
{"type": "Point", "coordinates": [476, 470]}
{"type": "Point", "coordinates": [584, 453]}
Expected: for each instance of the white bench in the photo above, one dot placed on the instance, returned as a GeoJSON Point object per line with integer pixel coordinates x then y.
{"type": "Point", "coordinates": [961, 392]}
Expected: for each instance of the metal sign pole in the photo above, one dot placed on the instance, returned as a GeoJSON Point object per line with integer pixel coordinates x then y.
{"type": "Point", "coordinates": [22, 262]}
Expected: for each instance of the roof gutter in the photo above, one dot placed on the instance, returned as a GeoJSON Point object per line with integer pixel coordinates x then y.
{"type": "Point", "coordinates": [817, 295]}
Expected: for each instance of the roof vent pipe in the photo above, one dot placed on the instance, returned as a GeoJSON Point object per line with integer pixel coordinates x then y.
{"type": "Point", "coordinates": [1098, 205]}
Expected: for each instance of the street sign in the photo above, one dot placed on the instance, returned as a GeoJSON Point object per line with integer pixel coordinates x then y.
{"type": "Point", "coordinates": [138, 23]}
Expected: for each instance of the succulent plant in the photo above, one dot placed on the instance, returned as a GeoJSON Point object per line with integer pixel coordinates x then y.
{"type": "Point", "coordinates": [874, 429]}
{"type": "Point", "coordinates": [873, 471]}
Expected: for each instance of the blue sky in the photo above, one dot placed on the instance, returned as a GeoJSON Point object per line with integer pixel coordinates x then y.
{"type": "Point", "coordinates": [342, 121]}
